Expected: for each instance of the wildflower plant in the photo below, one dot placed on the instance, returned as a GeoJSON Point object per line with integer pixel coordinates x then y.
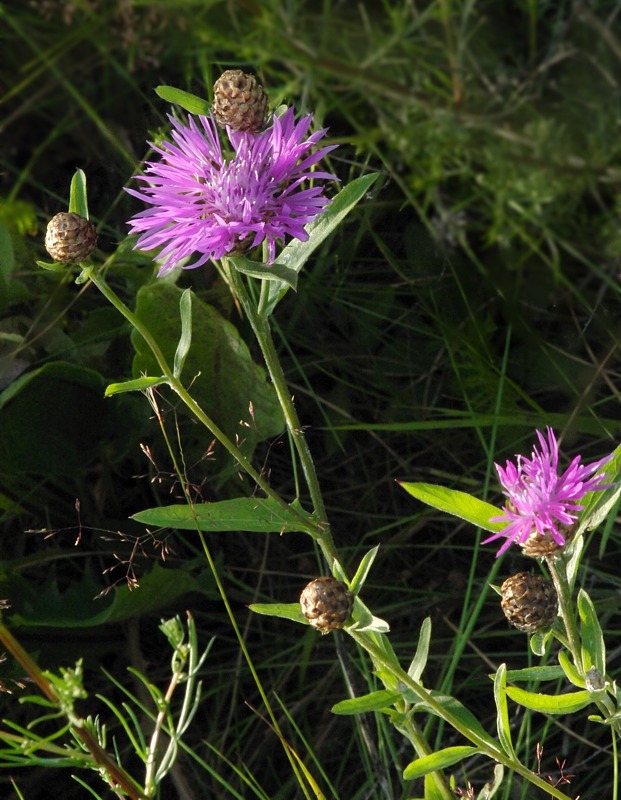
{"type": "Point", "coordinates": [214, 200]}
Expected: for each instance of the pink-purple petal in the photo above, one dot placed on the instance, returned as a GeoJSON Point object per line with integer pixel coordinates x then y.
{"type": "Point", "coordinates": [204, 204]}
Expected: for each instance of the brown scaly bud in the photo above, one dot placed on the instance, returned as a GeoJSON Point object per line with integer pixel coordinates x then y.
{"type": "Point", "coordinates": [326, 603]}
{"type": "Point", "coordinates": [538, 546]}
{"type": "Point", "coordinates": [239, 101]}
{"type": "Point", "coordinates": [529, 602]}
{"type": "Point", "coordinates": [70, 237]}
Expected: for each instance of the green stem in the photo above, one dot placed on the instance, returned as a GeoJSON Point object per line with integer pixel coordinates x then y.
{"type": "Point", "coordinates": [381, 659]}
{"type": "Point", "coordinates": [261, 328]}
{"type": "Point", "coordinates": [178, 387]}
{"type": "Point", "coordinates": [97, 279]}
{"type": "Point", "coordinates": [566, 608]}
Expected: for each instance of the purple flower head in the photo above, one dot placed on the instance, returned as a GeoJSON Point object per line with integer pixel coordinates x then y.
{"type": "Point", "coordinates": [538, 498]}
{"type": "Point", "coordinates": [207, 204]}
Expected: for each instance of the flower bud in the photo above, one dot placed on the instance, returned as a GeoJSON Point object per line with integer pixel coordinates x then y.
{"type": "Point", "coordinates": [239, 101]}
{"type": "Point", "coordinates": [529, 602]}
{"type": "Point", "coordinates": [326, 603]}
{"type": "Point", "coordinates": [70, 237]}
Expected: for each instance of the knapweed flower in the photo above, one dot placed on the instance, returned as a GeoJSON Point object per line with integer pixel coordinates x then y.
{"type": "Point", "coordinates": [207, 204]}
{"type": "Point", "coordinates": [540, 502]}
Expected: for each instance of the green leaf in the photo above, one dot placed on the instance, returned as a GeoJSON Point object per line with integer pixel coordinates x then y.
{"type": "Point", "coordinates": [226, 383]}
{"type": "Point", "coordinates": [191, 103]}
{"type": "Point", "coordinates": [290, 611]}
{"type": "Point", "coordinates": [547, 673]}
{"type": "Point", "coordinates": [438, 761]}
{"type": "Point", "coordinates": [55, 420]}
{"type": "Point", "coordinates": [540, 640]}
{"type": "Point", "coordinates": [457, 503]}
{"type": "Point", "coordinates": [51, 266]}
{"type": "Point", "coordinates": [597, 505]}
{"type": "Point", "coordinates": [357, 582]}
{"type": "Point", "coordinates": [185, 308]}
{"type": "Point", "coordinates": [82, 606]}
{"type": "Point", "coordinates": [569, 670]}
{"type": "Point", "coordinates": [549, 703]}
{"type": "Point", "coordinates": [419, 662]}
{"type": "Point", "coordinates": [241, 514]}
{"type": "Point", "coordinates": [266, 272]}
{"type": "Point", "coordinates": [593, 646]}
{"type": "Point", "coordinates": [296, 253]}
{"type": "Point", "coordinates": [375, 701]}
{"type": "Point", "coordinates": [502, 712]}
{"type": "Point", "coordinates": [365, 621]}
{"type": "Point", "coordinates": [138, 385]}
{"type": "Point", "coordinates": [78, 202]}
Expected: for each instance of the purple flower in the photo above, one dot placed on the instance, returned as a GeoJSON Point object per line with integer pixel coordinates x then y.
{"type": "Point", "coordinates": [539, 499]}
{"type": "Point", "coordinates": [207, 204]}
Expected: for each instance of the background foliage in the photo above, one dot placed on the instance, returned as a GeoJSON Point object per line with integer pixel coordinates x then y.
{"type": "Point", "coordinates": [471, 298]}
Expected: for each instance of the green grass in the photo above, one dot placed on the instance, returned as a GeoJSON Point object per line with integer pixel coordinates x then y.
{"type": "Point", "coordinates": [472, 297]}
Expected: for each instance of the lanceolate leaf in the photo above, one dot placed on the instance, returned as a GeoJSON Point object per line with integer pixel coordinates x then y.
{"type": "Point", "coordinates": [191, 103]}
{"type": "Point", "coordinates": [438, 761]}
{"type": "Point", "coordinates": [502, 713]}
{"type": "Point", "coordinates": [363, 570]}
{"type": "Point", "coordinates": [375, 701]}
{"type": "Point", "coordinates": [290, 611]}
{"type": "Point", "coordinates": [459, 504]}
{"type": "Point", "coordinates": [548, 703]}
{"type": "Point", "coordinates": [242, 514]}
{"type": "Point", "coordinates": [269, 272]}
{"type": "Point", "coordinates": [593, 647]}
{"type": "Point", "coordinates": [138, 385]}
{"type": "Point", "coordinates": [78, 202]}
{"type": "Point", "coordinates": [297, 252]}
{"type": "Point", "coordinates": [419, 661]}
{"type": "Point", "coordinates": [185, 309]}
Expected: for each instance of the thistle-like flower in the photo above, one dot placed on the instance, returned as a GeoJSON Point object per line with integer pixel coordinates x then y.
{"type": "Point", "coordinates": [207, 204]}
{"type": "Point", "coordinates": [540, 502]}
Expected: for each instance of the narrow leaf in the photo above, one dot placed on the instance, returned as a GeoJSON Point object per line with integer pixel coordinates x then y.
{"type": "Point", "coordinates": [569, 670]}
{"type": "Point", "coordinates": [593, 646]}
{"type": "Point", "coordinates": [297, 252]}
{"type": "Point", "coordinates": [365, 565]}
{"type": "Point", "coordinates": [547, 673]}
{"type": "Point", "coordinates": [502, 712]}
{"type": "Point", "coordinates": [438, 761]}
{"type": "Point", "coordinates": [290, 611]}
{"type": "Point", "coordinates": [138, 385]}
{"type": "Point", "coordinates": [365, 621]}
{"type": "Point", "coordinates": [269, 272]}
{"type": "Point", "coordinates": [185, 309]}
{"type": "Point", "coordinates": [415, 670]}
{"type": "Point", "coordinates": [597, 505]}
{"type": "Point", "coordinates": [550, 704]}
{"type": "Point", "coordinates": [191, 103]}
{"type": "Point", "coordinates": [242, 514]}
{"type": "Point", "coordinates": [78, 202]}
{"type": "Point", "coordinates": [52, 266]}
{"type": "Point", "coordinates": [375, 701]}
{"type": "Point", "coordinates": [457, 503]}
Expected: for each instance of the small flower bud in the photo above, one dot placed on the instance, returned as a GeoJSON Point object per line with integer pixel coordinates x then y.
{"type": "Point", "coordinates": [326, 603]}
{"type": "Point", "coordinates": [70, 237]}
{"type": "Point", "coordinates": [538, 546]}
{"type": "Point", "coordinates": [595, 681]}
{"type": "Point", "coordinates": [239, 101]}
{"type": "Point", "coordinates": [529, 602]}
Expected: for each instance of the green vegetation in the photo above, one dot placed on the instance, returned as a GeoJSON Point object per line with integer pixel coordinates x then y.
{"type": "Point", "coordinates": [469, 298]}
